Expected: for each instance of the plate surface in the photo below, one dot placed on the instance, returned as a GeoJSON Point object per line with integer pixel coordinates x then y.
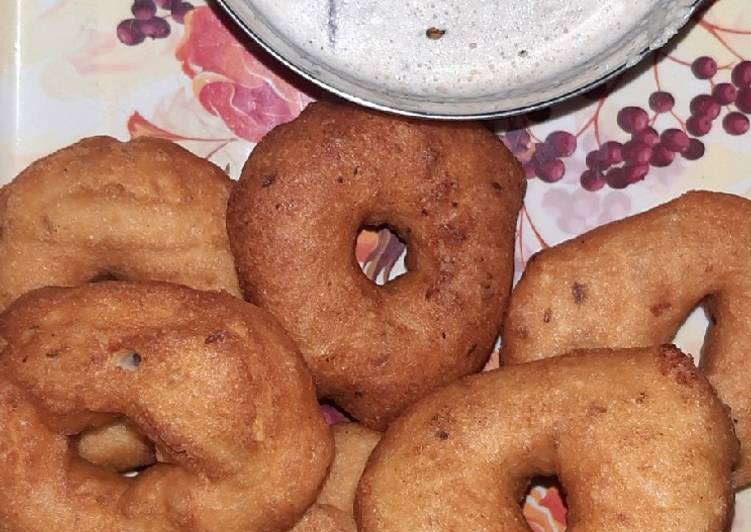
{"type": "Point", "coordinates": [64, 75]}
{"type": "Point", "coordinates": [459, 58]}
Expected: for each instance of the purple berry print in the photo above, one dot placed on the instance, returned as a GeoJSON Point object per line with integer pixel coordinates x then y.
{"type": "Point", "coordinates": [129, 32]}
{"type": "Point", "coordinates": [611, 153]}
{"type": "Point", "coordinates": [725, 93]}
{"type": "Point", "coordinates": [661, 156]}
{"type": "Point", "coordinates": [637, 152]}
{"type": "Point", "coordinates": [143, 9]}
{"type": "Point", "coordinates": [704, 67]}
{"type": "Point", "coordinates": [530, 169]}
{"type": "Point", "coordinates": [705, 105]}
{"type": "Point", "coordinates": [632, 119]}
{"type": "Point", "coordinates": [591, 180]}
{"type": "Point", "coordinates": [156, 28]}
{"type": "Point", "coordinates": [633, 173]}
{"type": "Point", "coordinates": [594, 161]}
{"type": "Point", "coordinates": [743, 100]}
{"type": "Point", "coordinates": [146, 23]}
{"type": "Point", "coordinates": [655, 132]}
{"type": "Point", "coordinates": [518, 140]}
{"type": "Point", "coordinates": [648, 136]}
{"type": "Point", "coordinates": [544, 152]}
{"type": "Point", "coordinates": [694, 151]}
{"type": "Point", "coordinates": [562, 142]}
{"type": "Point", "coordinates": [616, 178]}
{"type": "Point", "coordinates": [741, 75]}
{"type": "Point", "coordinates": [179, 10]}
{"type": "Point", "coordinates": [661, 102]}
{"type": "Point", "coordinates": [675, 140]}
{"type": "Point", "coordinates": [735, 123]}
{"type": "Point", "coordinates": [551, 171]}
{"type": "Point", "coordinates": [699, 126]}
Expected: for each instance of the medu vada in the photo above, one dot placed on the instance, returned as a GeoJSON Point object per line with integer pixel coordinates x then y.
{"type": "Point", "coordinates": [212, 381]}
{"type": "Point", "coordinates": [632, 283]}
{"type": "Point", "coordinates": [140, 210]}
{"type": "Point", "coordinates": [642, 425]}
{"type": "Point", "coordinates": [115, 448]}
{"type": "Point", "coordinates": [333, 510]}
{"type": "Point", "coordinates": [451, 191]}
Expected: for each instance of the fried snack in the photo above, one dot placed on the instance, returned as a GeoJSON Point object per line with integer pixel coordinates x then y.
{"type": "Point", "coordinates": [325, 518]}
{"type": "Point", "coordinates": [451, 191]}
{"type": "Point", "coordinates": [142, 210]}
{"type": "Point", "coordinates": [633, 282]}
{"type": "Point", "coordinates": [118, 445]}
{"type": "Point", "coordinates": [114, 447]}
{"type": "Point", "coordinates": [333, 511]}
{"type": "Point", "coordinates": [642, 425]}
{"type": "Point", "coordinates": [212, 381]}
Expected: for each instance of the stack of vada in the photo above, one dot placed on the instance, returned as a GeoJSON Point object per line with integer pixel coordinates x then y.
{"type": "Point", "coordinates": [166, 336]}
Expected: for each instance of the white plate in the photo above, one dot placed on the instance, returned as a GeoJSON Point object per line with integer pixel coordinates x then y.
{"type": "Point", "coordinates": [494, 59]}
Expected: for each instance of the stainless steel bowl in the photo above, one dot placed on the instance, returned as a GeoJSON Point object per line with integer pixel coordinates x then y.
{"type": "Point", "coordinates": [642, 35]}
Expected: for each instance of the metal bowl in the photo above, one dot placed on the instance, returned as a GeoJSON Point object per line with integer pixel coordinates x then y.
{"type": "Point", "coordinates": [631, 38]}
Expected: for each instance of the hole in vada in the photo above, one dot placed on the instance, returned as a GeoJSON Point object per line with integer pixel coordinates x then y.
{"type": "Point", "coordinates": [332, 413]}
{"type": "Point", "coordinates": [104, 276]}
{"type": "Point", "coordinates": [544, 502]}
{"type": "Point", "coordinates": [381, 253]}
{"type": "Point", "coordinates": [692, 335]}
{"type": "Point", "coordinates": [132, 473]}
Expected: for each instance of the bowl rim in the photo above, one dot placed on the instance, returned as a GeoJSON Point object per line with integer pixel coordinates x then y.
{"type": "Point", "coordinates": [629, 62]}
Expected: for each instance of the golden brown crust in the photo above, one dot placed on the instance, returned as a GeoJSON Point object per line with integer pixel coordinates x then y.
{"type": "Point", "coordinates": [325, 518]}
{"type": "Point", "coordinates": [642, 422]}
{"type": "Point", "coordinates": [452, 191]}
{"type": "Point", "coordinates": [333, 510]}
{"type": "Point", "coordinates": [632, 283]}
{"type": "Point", "coordinates": [142, 210]}
{"type": "Point", "coordinates": [354, 443]}
{"type": "Point", "coordinates": [213, 381]}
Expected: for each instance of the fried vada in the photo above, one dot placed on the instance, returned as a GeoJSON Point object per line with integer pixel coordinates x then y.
{"type": "Point", "coordinates": [333, 510]}
{"type": "Point", "coordinates": [102, 209]}
{"type": "Point", "coordinates": [451, 191]}
{"type": "Point", "coordinates": [637, 438]}
{"type": "Point", "coordinates": [633, 282]}
{"type": "Point", "coordinates": [213, 382]}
